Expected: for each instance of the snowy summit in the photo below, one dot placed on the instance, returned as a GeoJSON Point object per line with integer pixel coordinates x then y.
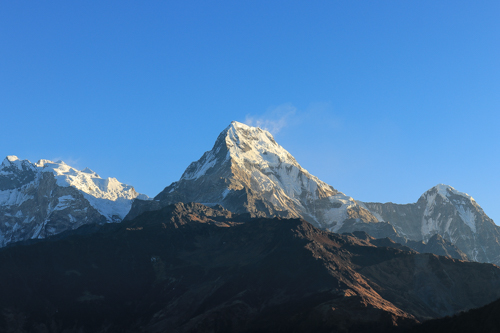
{"type": "Point", "coordinates": [248, 171]}
{"type": "Point", "coordinates": [45, 198]}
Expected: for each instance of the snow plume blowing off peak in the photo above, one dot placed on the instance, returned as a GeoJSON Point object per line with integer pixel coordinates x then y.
{"type": "Point", "coordinates": [247, 171]}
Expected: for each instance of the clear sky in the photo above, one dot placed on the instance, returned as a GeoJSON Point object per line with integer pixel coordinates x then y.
{"type": "Point", "coordinates": [380, 99]}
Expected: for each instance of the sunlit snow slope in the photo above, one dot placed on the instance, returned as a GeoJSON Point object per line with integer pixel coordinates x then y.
{"type": "Point", "coordinates": [42, 199]}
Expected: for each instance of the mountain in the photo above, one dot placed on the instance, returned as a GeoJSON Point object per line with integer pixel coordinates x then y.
{"type": "Point", "coordinates": [248, 172]}
{"type": "Point", "coordinates": [444, 211]}
{"type": "Point", "coordinates": [45, 198]}
{"type": "Point", "coordinates": [193, 268]}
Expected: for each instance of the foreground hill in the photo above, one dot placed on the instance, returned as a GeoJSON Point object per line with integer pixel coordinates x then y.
{"type": "Point", "coordinates": [191, 268]}
{"type": "Point", "coordinates": [485, 320]}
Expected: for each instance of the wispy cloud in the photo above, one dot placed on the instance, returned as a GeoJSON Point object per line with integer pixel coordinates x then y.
{"type": "Point", "coordinates": [68, 160]}
{"type": "Point", "coordinates": [274, 119]}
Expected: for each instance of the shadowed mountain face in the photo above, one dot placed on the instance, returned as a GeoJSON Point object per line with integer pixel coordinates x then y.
{"type": "Point", "coordinates": [436, 245]}
{"type": "Point", "coordinates": [191, 268]}
{"type": "Point", "coordinates": [454, 215]}
{"type": "Point", "coordinates": [485, 320]}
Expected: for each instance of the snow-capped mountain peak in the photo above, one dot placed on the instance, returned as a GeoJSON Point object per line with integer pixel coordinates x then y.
{"type": "Point", "coordinates": [454, 215]}
{"type": "Point", "coordinates": [241, 144]}
{"type": "Point", "coordinates": [255, 145]}
{"type": "Point", "coordinates": [96, 187]}
{"type": "Point", "coordinates": [248, 171]}
{"type": "Point", "coordinates": [446, 192]}
{"type": "Point", "coordinates": [44, 198]}
{"type": "Point", "coordinates": [13, 161]}
{"type": "Point", "coordinates": [465, 206]}
{"type": "Point", "coordinates": [11, 158]}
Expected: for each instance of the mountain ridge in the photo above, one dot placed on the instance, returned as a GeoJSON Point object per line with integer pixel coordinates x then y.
{"type": "Point", "coordinates": [247, 171]}
{"type": "Point", "coordinates": [46, 198]}
{"type": "Point", "coordinates": [443, 210]}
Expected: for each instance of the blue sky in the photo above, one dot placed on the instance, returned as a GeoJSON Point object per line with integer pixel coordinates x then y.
{"type": "Point", "coordinates": [380, 99]}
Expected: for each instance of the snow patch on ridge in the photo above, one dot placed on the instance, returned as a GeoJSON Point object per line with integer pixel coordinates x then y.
{"type": "Point", "coordinates": [468, 216]}
{"type": "Point", "coordinates": [339, 215]}
{"type": "Point", "coordinates": [225, 193]}
{"type": "Point", "coordinates": [202, 168]}
{"type": "Point", "coordinates": [13, 197]}
{"type": "Point", "coordinates": [429, 225]}
{"type": "Point", "coordinates": [64, 202]}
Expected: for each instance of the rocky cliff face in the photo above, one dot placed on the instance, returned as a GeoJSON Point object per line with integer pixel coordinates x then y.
{"type": "Point", "coordinates": [45, 198]}
{"type": "Point", "coordinates": [444, 211]}
{"type": "Point", "coordinates": [248, 172]}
